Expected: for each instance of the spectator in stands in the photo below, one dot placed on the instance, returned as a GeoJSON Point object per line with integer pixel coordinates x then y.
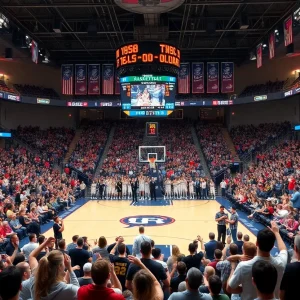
{"type": "Point", "coordinates": [194, 259]}
{"type": "Point", "coordinates": [296, 198]}
{"type": "Point", "coordinates": [193, 281]}
{"type": "Point", "coordinates": [12, 245]}
{"type": "Point", "coordinates": [87, 277]}
{"type": "Point", "coordinates": [101, 273]}
{"type": "Point", "coordinates": [240, 242]}
{"type": "Point", "coordinates": [289, 284]}
{"type": "Point", "coordinates": [215, 287]}
{"type": "Point", "coordinates": [242, 273]}
{"type": "Point", "coordinates": [73, 245]}
{"type": "Point", "coordinates": [10, 283]}
{"type": "Point", "coordinates": [102, 247]}
{"type": "Point", "coordinates": [28, 248]}
{"type": "Point", "coordinates": [208, 272]}
{"type": "Point", "coordinates": [17, 227]}
{"type": "Point", "coordinates": [175, 281]}
{"type": "Point", "coordinates": [210, 247]}
{"type": "Point", "coordinates": [136, 248]}
{"type": "Point", "coordinates": [264, 278]}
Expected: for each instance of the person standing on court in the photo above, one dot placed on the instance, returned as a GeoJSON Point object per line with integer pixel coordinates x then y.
{"type": "Point", "coordinates": [223, 187]}
{"type": "Point", "coordinates": [221, 217]}
{"type": "Point", "coordinates": [233, 223]}
{"type": "Point", "coordinates": [58, 228]}
{"type": "Point", "coordinates": [134, 187]}
{"type": "Point", "coordinates": [136, 248]}
{"type": "Point", "coordinates": [152, 189]}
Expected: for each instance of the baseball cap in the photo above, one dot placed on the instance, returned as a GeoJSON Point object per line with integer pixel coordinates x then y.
{"type": "Point", "coordinates": [87, 267]}
{"type": "Point", "coordinates": [194, 278]}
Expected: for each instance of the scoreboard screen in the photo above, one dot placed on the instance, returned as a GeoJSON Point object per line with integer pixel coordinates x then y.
{"type": "Point", "coordinates": [148, 93]}
{"type": "Point", "coordinates": [151, 129]}
{"type": "Point", "coordinates": [147, 53]}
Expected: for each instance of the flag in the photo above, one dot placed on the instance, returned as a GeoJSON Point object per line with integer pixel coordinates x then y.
{"type": "Point", "coordinates": [34, 52]}
{"type": "Point", "coordinates": [272, 45]}
{"type": "Point", "coordinates": [117, 85]}
{"type": "Point", "coordinates": [108, 79]}
{"type": "Point", "coordinates": [288, 31]}
{"type": "Point", "coordinates": [67, 79]}
{"type": "Point", "coordinates": [184, 78]}
{"type": "Point", "coordinates": [227, 73]}
{"type": "Point", "coordinates": [213, 78]}
{"type": "Point", "coordinates": [94, 79]}
{"type": "Point", "coordinates": [80, 79]}
{"type": "Point", "coordinates": [198, 78]}
{"type": "Point", "coordinates": [259, 56]}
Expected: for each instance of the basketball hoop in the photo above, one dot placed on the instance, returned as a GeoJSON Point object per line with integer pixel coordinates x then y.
{"type": "Point", "coordinates": [152, 161]}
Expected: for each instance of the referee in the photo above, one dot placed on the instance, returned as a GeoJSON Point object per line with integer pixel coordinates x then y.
{"type": "Point", "coordinates": [221, 216]}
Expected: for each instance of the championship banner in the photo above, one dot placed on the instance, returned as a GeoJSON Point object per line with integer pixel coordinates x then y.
{"type": "Point", "coordinates": [184, 79]}
{"type": "Point", "coordinates": [197, 78]}
{"type": "Point", "coordinates": [259, 56]}
{"type": "Point", "coordinates": [213, 85]}
{"type": "Point", "coordinates": [288, 31]}
{"type": "Point", "coordinates": [94, 79]}
{"type": "Point", "coordinates": [117, 85]}
{"type": "Point", "coordinates": [108, 79]}
{"type": "Point", "coordinates": [67, 79]}
{"type": "Point", "coordinates": [227, 79]}
{"type": "Point", "coordinates": [80, 79]}
{"type": "Point", "coordinates": [34, 52]}
{"type": "Point", "coordinates": [272, 45]}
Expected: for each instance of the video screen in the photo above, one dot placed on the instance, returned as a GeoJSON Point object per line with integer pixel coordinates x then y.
{"type": "Point", "coordinates": [148, 92]}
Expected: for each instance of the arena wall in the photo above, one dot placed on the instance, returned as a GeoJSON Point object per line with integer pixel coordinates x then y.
{"type": "Point", "coordinates": [265, 112]}
{"type": "Point", "coordinates": [14, 114]}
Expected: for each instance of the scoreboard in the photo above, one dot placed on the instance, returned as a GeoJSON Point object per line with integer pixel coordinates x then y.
{"type": "Point", "coordinates": [152, 129]}
{"type": "Point", "coordinates": [147, 53]}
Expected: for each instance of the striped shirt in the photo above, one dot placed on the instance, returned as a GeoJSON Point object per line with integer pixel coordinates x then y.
{"type": "Point", "coordinates": [219, 215]}
{"type": "Point", "coordinates": [234, 217]}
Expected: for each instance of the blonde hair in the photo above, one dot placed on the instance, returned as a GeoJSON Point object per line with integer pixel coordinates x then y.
{"type": "Point", "coordinates": [175, 252]}
{"type": "Point", "coordinates": [48, 273]}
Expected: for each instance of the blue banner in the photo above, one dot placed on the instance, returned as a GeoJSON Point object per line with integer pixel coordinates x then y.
{"type": "Point", "coordinates": [227, 79]}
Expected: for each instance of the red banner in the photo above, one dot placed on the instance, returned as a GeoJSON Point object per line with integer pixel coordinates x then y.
{"type": "Point", "coordinates": [108, 79]}
{"type": "Point", "coordinates": [259, 56]}
{"type": "Point", "coordinates": [94, 79]}
{"type": "Point", "coordinates": [272, 45]}
{"type": "Point", "coordinates": [184, 79]}
{"type": "Point", "coordinates": [117, 85]}
{"type": "Point", "coordinates": [227, 77]}
{"type": "Point", "coordinates": [197, 78]}
{"type": "Point", "coordinates": [213, 86]}
{"type": "Point", "coordinates": [34, 52]}
{"type": "Point", "coordinates": [67, 79]}
{"type": "Point", "coordinates": [80, 79]}
{"type": "Point", "coordinates": [288, 31]}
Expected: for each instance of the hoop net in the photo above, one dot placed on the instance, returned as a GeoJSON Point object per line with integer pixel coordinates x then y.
{"type": "Point", "coordinates": [152, 162]}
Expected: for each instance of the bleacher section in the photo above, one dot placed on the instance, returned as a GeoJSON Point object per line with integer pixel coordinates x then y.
{"type": "Point", "coordinates": [263, 89]}
{"type": "Point", "coordinates": [36, 91]}
{"type": "Point", "coordinates": [5, 88]}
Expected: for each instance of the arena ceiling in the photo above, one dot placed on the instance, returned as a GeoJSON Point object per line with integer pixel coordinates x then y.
{"type": "Point", "coordinates": [90, 30]}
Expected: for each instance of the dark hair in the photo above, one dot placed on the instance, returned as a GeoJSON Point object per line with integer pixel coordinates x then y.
{"type": "Point", "coordinates": [192, 247]}
{"type": "Point", "coordinates": [31, 236]}
{"type": "Point", "coordinates": [152, 243]}
{"type": "Point", "coordinates": [246, 238]}
{"type": "Point", "coordinates": [239, 235]}
{"type": "Point", "coordinates": [297, 188]}
{"type": "Point", "coordinates": [156, 252]}
{"type": "Point", "coordinates": [100, 271]}
{"type": "Point", "coordinates": [264, 276]}
{"type": "Point", "coordinates": [211, 236]}
{"type": "Point", "coordinates": [181, 268]}
{"type": "Point", "coordinates": [80, 242]}
{"type": "Point", "coordinates": [220, 245]}
{"type": "Point", "coordinates": [61, 244]}
{"type": "Point", "coordinates": [20, 257]}
{"type": "Point", "coordinates": [145, 248]}
{"type": "Point", "coordinates": [10, 282]}
{"type": "Point", "coordinates": [215, 284]}
{"type": "Point", "coordinates": [75, 238]}
{"type": "Point", "coordinates": [266, 240]}
{"type": "Point", "coordinates": [41, 239]}
{"type": "Point", "coordinates": [121, 248]}
{"type": "Point", "coordinates": [218, 254]}
{"type": "Point", "coordinates": [233, 249]}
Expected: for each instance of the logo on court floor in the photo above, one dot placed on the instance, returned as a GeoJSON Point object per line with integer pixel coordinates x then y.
{"type": "Point", "coordinates": [147, 220]}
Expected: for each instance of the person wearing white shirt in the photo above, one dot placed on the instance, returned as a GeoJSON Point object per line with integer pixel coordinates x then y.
{"type": "Point", "coordinates": [223, 187]}
{"type": "Point", "coordinates": [136, 248]}
{"type": "Point", "coordinates": [158, 257]}
{"type": "Point", "coordinates": [241, 274]}
{"type": "Point", "coordinates": [28, 248]}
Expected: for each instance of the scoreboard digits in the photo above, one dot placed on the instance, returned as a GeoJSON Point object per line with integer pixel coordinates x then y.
{"type": "Point", "coordinates": [151, 129]}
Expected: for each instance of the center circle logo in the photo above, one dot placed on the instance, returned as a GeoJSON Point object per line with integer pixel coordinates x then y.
{"type": "Point", "coordinates": [147, 220]}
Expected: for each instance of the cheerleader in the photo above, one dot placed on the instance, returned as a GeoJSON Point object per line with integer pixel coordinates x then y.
{"type": "Point", "coordinates": [147, 189]}
{"type": "Point", "coordinates": [142, 187]}
{"type": "Point", "coordinates": [212, 190]}
{"type": "Point", "coordinates": [191, 189]}
{"type": "Point", "coordinates": [167, 189]}
{"type": "Point", "coordinates": [93, 190]}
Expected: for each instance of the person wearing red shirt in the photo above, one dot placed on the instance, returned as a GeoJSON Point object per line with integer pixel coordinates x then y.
{"type": "Point", "coordinates": [292, 183]}
{"type": "Point", "coordinates": [101, 273]}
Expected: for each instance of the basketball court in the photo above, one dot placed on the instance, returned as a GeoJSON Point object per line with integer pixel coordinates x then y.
{"type": "Point", "coordinates": [176, 224]}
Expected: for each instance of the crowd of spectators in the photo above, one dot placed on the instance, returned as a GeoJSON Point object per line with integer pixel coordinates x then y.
{"type": "Point", "coordinates": [248, 138]}
{"type": "Point", "coordinates": [191, 97]}
{"type": "Point", "coordinates": [268, 188]}
{"type": "Point", "coordinates": [5, 88]}
{"type": "Point", "coordinates": [263, 89]}
{"type": "Point", "coordinates": [122, 157]}
{"type": "Point", "coordinates": [36, 91]}
{"type": "Point", "coordinates": [52, 142]}
{"type": "Point", "coordinates": [216, 151]}
{"type": "Point", "coordinates": [89, 148]}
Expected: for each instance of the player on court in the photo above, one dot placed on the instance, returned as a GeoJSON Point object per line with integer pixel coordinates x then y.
{"type": "Point", "coordinates": [212, 190]}
{"type": "Point", "coordinates": [183, 187]}
{"type": "Point", "coordinates": [93, 190]}
{"type": "Point", "coordinates": [142, 187]}
{"type": "Point", "coordinates": [124, 187]}
{"type": "Point", "coordinates": [191, 189]}
{"type": "Point", "coordinates": [147, 188]}
{"type": "Point", "coordinates": [168, 189]}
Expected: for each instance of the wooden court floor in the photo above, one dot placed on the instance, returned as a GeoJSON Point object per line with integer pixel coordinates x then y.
{"type": "Point", "coordinates": [191, 218]}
